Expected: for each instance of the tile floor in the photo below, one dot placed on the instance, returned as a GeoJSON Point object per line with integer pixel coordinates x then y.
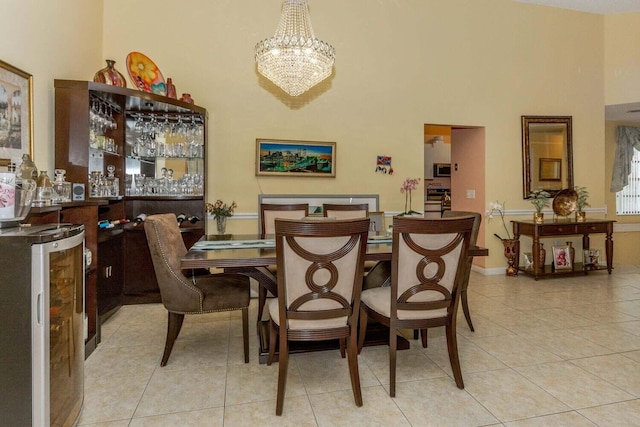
{"type": "Point", "coordinates": [562, 352]}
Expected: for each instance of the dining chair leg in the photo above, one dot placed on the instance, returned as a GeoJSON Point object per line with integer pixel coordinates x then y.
{"type": "Point", "coordinates": [283, 362]}
{"type": "Point", "coordinates": [424, 334]}
{"type": "Point", "coordinates": [393, 345]}
{"type": "Point", "coordinates": [174, 324]}
{"type": "Point", "coordinates": [262, 300]}
{"type": "Point", "coordinates": [273, 336]}
{"type": "Point", "coordinates": [245, 333]}
{"type": "Point", "coordinates": [362, 329]}
{"type": "Point", "coordinates": [342, 342]}
{"type": "Point", "coordinates": [465, 309]}
{"type": "Point", "coordinates": [354, 373]}
{"type": "Point", "coordinates": [454, 359]}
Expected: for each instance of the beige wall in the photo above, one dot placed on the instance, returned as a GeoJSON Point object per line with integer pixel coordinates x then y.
{"type": "Point", "coordinates": [622, 58]}
{"type": "Point", "coordinates": [49, 40]}
{"type": "Point", "coordinates": [399, 64]}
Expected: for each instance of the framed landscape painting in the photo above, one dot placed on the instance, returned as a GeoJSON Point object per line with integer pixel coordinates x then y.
{"type": "Point", "coordinates": [295, 158]}
{"type": "Point", "coordinates": [16, 111]}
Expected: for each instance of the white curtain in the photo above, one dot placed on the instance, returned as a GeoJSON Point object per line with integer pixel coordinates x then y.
{"type": "Point", "coordinates": [628, 138]}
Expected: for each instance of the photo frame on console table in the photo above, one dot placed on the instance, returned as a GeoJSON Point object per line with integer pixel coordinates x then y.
{"type": "Point", "coordinates": [277, 157]}
{"type": "Point", "coordinates": [16, 114]}
{"type": "Point", "coordinates": [562, 258]}
{"type": "Point", "coordinates": [317, 200]}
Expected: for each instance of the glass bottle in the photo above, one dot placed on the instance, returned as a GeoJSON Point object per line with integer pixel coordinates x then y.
{"type": "Point", "coordinates": [61, 188]}
{"type": "Point", "coordinates": [44, 188]}
{"type": "Point", "coordinates": [28, 169]}
{"type": "Point", "coordinates": [113, 183]}
{"type": "Point", "coordinates": [171, 89]}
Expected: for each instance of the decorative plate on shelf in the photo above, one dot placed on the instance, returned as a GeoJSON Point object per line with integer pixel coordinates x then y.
{"type": "Point", "coordinates": [145, 74]}
{"type": "Point", "coordinates": [565, 202]}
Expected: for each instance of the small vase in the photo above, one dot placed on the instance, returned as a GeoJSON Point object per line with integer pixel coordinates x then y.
{"type": "Point", "coordinates": [171, 89]}
{"type": "Point", "coordinates": [186, 97]}
{"type": "Point", "coordinates": [511, 251]}
{"type": "Point", "coordinates": [580, 216]}
{"type": "Point", "coordinates": [542, 257]}
{"type": "Point", "coordinates": [538, 218]}
{"type": "Point", "coordinates": [572, 253]}
{"type": "Point", "coordinates": [110, 75]}
{"type": "Point", "coordinates": [221, 224]}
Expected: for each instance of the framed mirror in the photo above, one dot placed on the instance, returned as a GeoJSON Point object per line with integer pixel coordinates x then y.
{"type": "Point", "coordinates": [547, 154]}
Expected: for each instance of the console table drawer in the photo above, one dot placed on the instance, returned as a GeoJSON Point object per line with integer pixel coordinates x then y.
{"type": "Point", "coordinates": [592, 228]}
{"type": "Point", "coordinates": [555, 229]}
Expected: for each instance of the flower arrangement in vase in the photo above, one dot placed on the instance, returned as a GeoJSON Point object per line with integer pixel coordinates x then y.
{"type": "Point", "coordinates": [498, 208]}
{"type": "Point", "coordinates": [511, 246]}
{"type": "Point", "coordinates": [539, 199]}
{"type": "Point", "coordinates": [581, 202]}
{"type": "Point", "coordinates": [220, 211]}
{"type": "Point", "coordinates": [408, 186]}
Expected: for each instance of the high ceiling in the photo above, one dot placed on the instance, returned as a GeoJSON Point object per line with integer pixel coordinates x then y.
{"type": "Point", "coordinates": [602, 7]}
{"type": "Point", "coordinates": [621, 112]}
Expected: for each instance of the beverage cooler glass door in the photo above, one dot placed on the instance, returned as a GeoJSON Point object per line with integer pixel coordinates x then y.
{"type": "Point", "coordinates": [57, 330]}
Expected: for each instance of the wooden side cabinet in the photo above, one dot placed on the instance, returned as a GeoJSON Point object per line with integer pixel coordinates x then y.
{"type": "Point", "coordinates": [155, 147]}
{"type": "Point", "coordinates": [563, 228]}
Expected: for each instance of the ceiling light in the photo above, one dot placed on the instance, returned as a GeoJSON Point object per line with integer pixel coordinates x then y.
{"type": "Point", "coordinates": [294, 59]}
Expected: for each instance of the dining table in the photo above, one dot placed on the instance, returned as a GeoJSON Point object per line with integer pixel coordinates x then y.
{"type": "Point", "coordinates": [248, 253]}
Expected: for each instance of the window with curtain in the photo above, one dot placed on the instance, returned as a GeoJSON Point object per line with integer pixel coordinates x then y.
{"type": "Point", "coordinates": [625, 180]}
{"type": "Point", "coordinates": [628, 199]}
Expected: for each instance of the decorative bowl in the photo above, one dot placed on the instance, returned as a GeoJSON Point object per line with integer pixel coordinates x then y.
{"type": "Point", "coordinates": [565, 202]}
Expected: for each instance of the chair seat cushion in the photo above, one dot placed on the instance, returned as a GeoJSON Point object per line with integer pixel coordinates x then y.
{"type": "Point", "coordinates": [296, 324]}
{"type": "Point", "coordinates": [379, 300]}
{"type": "Point", "coordinates": [224, 291]}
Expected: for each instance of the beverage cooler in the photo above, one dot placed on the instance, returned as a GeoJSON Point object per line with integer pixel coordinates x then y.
{"type": "Point", "coordinates": [41, 325]}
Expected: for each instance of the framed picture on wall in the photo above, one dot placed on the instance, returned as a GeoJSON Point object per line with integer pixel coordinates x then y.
{"type": "Point", "coordinates": [16, 114]}
{"type": "Point", "coordinates": [295, 158]}
{"type": "Point", "coordinates": [550, 169]}
{"type": "Point", "coordinates": [561, 258]}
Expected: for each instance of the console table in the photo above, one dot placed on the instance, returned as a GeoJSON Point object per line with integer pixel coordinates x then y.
{"type": "Point", "coordinates": [563, 228]}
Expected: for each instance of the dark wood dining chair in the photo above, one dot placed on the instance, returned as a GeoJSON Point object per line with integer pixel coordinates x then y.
{"type": "Point", "coordinates": [344, 211]}
{"type": "Point", "coordinates": [320, 266]}
{"type": "Point", "coordinates": [468, 263]}
{"type": "Point", "coordinates": [198, 294]}
{"type": "Point", "coordinates": [268, 213]}
{"type": "Point", "coordinates": [427, 273]}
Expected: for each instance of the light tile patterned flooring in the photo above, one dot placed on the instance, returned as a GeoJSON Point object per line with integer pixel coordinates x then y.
{"type": "Point", "coordinates": [552, 352]}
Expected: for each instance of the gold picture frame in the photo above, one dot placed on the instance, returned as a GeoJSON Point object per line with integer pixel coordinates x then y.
{"type": "Point", "coordinates": [278, 157]}
{"type": "Point", "coordinates": [550, 169]}
{"type": "Point", "coordinates": [16, 114]}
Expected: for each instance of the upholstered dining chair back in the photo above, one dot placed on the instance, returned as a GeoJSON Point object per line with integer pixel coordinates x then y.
{"type": "Point", "coordinates": [270, 211]}
{"type": "Point", "coordinates": [167, 249]}
{"type": "Point", "coordinates": [337, 211]}
{"type": "Point", "coordinates": [198, 294]}
{"type": "Point", "coordinates": [426, 275]}
{"type": "Point", "coordinates": [320, 267]}
{"type": "Point", "coordinates": [427, 264]}
{"type": "Point", "coordinates": [477, 220]}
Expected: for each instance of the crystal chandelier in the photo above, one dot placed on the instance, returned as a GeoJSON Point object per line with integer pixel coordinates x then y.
{"type": "Point", "coordinates": [294, 59]}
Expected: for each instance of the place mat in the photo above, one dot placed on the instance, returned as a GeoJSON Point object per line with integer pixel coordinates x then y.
{"type": "Point", "coordinates": [212, 245]}
{"type": "Point", "coordinates": [207, 245]}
